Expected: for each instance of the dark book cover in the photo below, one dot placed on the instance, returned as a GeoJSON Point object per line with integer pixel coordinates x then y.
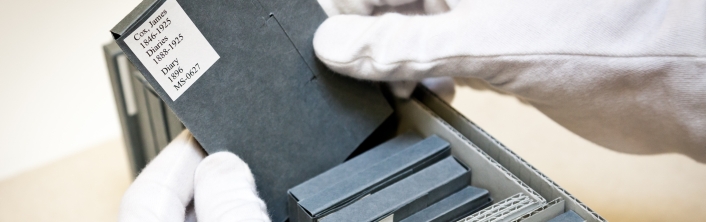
{"type": "Point", "coordinates": [242, 77]}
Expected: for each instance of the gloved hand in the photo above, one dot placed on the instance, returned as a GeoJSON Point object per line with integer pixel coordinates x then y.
{"type": "Point", "coordinates": [442, 86]}
{"type": "Point", "coordinates": [629, 75]}
{"type": "Point", "coordinates": [221, 186]}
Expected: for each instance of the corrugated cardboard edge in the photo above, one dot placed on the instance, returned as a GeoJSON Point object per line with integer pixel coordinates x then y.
{"type": "Point", "coordinates": [548, 211]}
{"type": "Point", "coordinates": [500, 210]}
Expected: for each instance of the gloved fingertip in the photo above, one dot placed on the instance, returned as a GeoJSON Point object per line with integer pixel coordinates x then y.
{"type": "Point", "coordinates": [443, 87]}
{"type": "Point", "coordinates": [224, 163]}
{"type": "Point", "coordinates": [329, 7]}
{"type": "Point", "coordinates": [402, 89]}
{"type": "Point", "coordinates": [435, 6]}
{"type": "Point", "coordinates": [452, 3]}
{"type": "Point", "coordinates": [381, 48]}
{"type": "Point", "coordinates": [165, 186]}
{"type": "Point", "coordinates": [224, 188]}
{"type": "Point", "coordinates": [337, 7]}
{"type": "Point", "coordinates": [334, 35]}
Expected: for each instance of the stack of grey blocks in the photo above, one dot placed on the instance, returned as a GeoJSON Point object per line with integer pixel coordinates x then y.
{"type": "Point", "coordinates": [398, 180]}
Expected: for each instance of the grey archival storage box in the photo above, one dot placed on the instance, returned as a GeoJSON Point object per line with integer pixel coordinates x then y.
{"type": "Point", "coordinates": [519, 191]}
{"type": "Point", "coordinates": [147, 123]}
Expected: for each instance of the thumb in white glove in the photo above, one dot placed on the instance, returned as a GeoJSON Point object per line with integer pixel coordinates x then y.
{"type": "Point", "coordinates": [224, 190]}
{"type": "Point", "coordinates": [627, 75]}
{"type": "Point", "coordinates": [221, 186]}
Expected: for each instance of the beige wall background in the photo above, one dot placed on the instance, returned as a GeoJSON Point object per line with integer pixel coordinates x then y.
{"type": "Point", "coordinates": [55, 96]}
{"type": "Point", "coordinates": [61, 158]}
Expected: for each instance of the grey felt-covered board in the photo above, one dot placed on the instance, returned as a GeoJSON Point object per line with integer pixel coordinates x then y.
{"type": "Point", "coordinates": [408, 195]}
{"type": "Point", "coordinates": [455, 206]}
{"type": "Point", "coordinates": [377, 175]}
{"type": "Point", "coordinates": [266, 99]}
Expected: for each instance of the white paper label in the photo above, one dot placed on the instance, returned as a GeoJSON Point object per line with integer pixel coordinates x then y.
{"type": "Point", "coordinates": [172, 49]}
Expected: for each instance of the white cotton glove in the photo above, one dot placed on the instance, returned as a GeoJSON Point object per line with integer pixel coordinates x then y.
{"type": "Point", "coordinates": [221, 186]}
{"type": "Point", "coordinates": [442, 86]}
{"type": "Point", "coordinates": [629, 75]}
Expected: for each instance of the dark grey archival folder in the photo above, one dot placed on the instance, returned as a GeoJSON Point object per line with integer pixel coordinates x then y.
{"type": "Point", "coordinates": [344, 189]}
{"type": "Point", "coordinates": [452, 208]}
{"type": "Point", "coordinates": [569, 216]}
{"type": "Point", "coordinates": [267, 99]}
{"type": "Point", "coordinates": [351, 167]}
{"type": "Point", "coordinates": [409, 195]}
